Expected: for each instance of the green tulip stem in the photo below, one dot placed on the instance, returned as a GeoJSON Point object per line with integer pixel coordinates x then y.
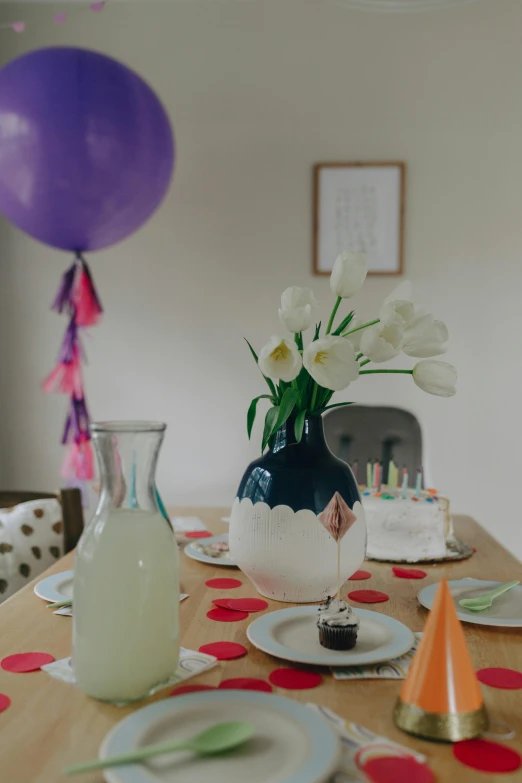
{"type": "Point", "coordinates": [362, 326]}
{"type": "Point", "coordinates": [366, 361]}
{"type": "Point", "coordinates": [314, 397]}
{"type": "Point", "coordinates": [334, 313]}
{"type": "Point", "coordinates": [371, 372]}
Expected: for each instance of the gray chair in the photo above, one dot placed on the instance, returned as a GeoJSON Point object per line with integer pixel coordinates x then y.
{"type": "Point", "coordinates": [358, 433]}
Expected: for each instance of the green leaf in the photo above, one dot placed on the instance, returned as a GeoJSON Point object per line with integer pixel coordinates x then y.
{"type": "Point", "coordinates": [251, 415]}
{"type": "Point", "coordinates": [270, 420]}
{"type": "Point", "coordinates": [254, 354]}
{"type": "Point", "coordinates": [299, 425]}
{"type": "Point", "coordinates": [336, 405]}
{"type": "Point", "coordinates": [271, 385]}
{"type": "Point", "coordinates": [344, 323]}
{"type": "Point", "coordinates": [317, 330]}
{"type": "Point", "coordinates": [275, 420]}
{"type": "Point", "coordinates": [286, 407]}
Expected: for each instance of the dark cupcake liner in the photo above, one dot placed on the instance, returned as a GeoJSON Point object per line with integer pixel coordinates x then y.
{"type": "Point", "coordinates": [338, 637]}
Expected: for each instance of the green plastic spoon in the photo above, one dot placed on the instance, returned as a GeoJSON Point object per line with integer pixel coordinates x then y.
{"type": "Point", "coordinates": [60, 604]}
{"type": "Point", "coordinates": [220, 737]}
{"type": "Point", "coordinates": [484, 601]}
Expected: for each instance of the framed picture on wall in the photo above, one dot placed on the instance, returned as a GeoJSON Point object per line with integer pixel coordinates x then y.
{"type": "Point", "coordinates": [359, 206]}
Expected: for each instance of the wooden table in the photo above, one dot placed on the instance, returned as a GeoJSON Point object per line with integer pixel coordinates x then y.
{"type": "Point", "coordinates": [51, 724]}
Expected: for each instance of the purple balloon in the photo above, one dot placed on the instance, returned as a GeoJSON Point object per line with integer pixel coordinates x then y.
{"type": "Point", "coordinates": [86, 148]}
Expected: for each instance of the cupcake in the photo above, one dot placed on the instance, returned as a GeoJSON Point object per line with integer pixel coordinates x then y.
{"type": "Point", "coordinates": [337, 625]}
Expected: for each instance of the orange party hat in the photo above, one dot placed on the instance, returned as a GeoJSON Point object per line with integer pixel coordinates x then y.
{"type": "Point", "coordinates": [441, 697]}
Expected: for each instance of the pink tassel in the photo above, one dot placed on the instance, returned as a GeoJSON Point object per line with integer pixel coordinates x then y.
{"type": "Point", "coordinates": [65, 379]}
{"type": "Point", "coordinates": [86, 301]}
{"type": "Point", "coordinates": [79, 462]}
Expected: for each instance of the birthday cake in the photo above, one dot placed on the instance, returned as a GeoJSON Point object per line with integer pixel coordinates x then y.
{"type": "Point", "coordinates": [409, 526]}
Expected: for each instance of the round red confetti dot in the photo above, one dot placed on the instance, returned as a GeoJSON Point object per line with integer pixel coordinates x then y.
{"type": "Point", "coordinates": [226, 615]}
{"type": "Point", "coordinates": [224, 651]}
{"type": "Point", "coordinates": [26, 662]}
{"type": "Point", "coordinates": [397, 769]}
{"type": "Point", "coordinates": [409, 573]}
{"type": "Point", "coordinates": [294, 679]}
{"type": "Point", "coordinates": [359, 575]}
{"type": "Point", "coordinates": [368, 596]}
{"type": "Point", "coordinates": [223, 584]}
{"type": "Point", "coordinates": [191, 689]}
{"type": "Point", "coordinates": [487, 756]}
{"type": "Point", "coordinates": [247, 604]}
{"type": "Point", "coordinates": [498, 677]}
{"type": "Point", "coordinates": [222, 602]}
{"type": "Point", "coordinates": [246, 684]}
{"type": "Point", "coordinates": [5, 701]}
{"type": "Point", "coordinates": [198, 534]}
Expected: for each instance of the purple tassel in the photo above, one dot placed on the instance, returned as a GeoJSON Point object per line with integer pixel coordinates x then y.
{"type": "Point", "coordinates": [64, 298]}
{"type": "Point", "coordinates": [70, 341]}
{"type": "Point", "coordinates": [77, 424]}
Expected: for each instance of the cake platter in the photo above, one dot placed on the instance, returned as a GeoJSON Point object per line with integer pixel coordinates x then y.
{"type": "Point", "coordinates": [455, 550]}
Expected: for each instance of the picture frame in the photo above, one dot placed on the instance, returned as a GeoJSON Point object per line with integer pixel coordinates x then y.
{"type": "Point", "coordinates": [359, 206]}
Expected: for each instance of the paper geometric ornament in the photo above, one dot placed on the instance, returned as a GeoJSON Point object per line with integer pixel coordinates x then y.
{"type": "Point", "coordinates": [441, 697]}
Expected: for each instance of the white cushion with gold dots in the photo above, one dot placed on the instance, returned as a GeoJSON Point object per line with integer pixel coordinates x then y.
{"type": "Point", "coordinates": [31, 539]}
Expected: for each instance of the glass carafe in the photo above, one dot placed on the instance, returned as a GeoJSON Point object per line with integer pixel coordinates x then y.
{"type": "Point", "coordinates": [126, 573]}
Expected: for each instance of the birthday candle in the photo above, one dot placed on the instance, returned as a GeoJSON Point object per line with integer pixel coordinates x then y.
{"type": "Point", "coordinates": [354, 469]}
{"type": "Point", "coordinates": [418, 484]}
{"type": "Point", "coordinates": [368, 474]}
{"type": "Point", "coordinates": [404, 493]}
{"type": "Point", "coordinates": [375, 474]}
{"type": "Point", "coordinates": [379, 477]}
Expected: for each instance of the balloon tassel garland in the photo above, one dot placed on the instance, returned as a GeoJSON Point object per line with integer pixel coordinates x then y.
{"type": "Point", "coordinates": [77, 297]}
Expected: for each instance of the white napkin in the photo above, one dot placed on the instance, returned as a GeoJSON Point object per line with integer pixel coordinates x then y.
{"type": "Point", "coordinates": [355, 737]}
{"type": "Point", "coordinates": [190, 664]}
{"type": "Point", "coordinates": [187, 524]}
{"type": "Point", "coordinates": [395, 669]}
{"type": "Point", "coordinates": [66, 611]}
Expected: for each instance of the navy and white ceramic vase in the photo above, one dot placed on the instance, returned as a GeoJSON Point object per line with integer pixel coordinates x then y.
{"type": "Point", "coordinates": [276, 536]}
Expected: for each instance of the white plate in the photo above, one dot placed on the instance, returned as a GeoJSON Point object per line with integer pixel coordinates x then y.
{"type": "Point", "coordinates": [505, 611]}
{"type": "Point", "coordinates": [292, 634]}
{"type": "Point", "coordinates": [56, 587]}
{"type": "Point", "coordinates": [292, 744]}
{"type": "Point", "coordinates": [195, 554]}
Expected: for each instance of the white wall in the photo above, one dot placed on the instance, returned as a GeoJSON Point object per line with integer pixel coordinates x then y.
{"type": "Point", "coordinates": [258, 92]}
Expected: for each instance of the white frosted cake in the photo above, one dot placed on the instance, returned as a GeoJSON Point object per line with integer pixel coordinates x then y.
{"type": "Point", "coordinates": [409, 529]}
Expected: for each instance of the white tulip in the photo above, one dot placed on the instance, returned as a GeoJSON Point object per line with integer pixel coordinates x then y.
{"type": "Point", "coordinates": [425, 337]}
{"type": "Point", "coordinates": [348, 274]}
{"type": "Point", "coordinates": [435, 378]}
{"type": "Point", "coordinates": [400, 312]}
{"type": "Point", "coordinates": [380, 343]}
{"type": "Point", "coordinates": [331, 362]}
{"type": "Point", "coordinates": [298, 308]}
{"type": "Point", "coordinates": [401, 293]}
{"type": "Point", "coordinates": [280, 359]}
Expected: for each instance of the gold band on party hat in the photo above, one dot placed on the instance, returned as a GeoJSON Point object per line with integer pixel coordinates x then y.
{"type": "Point", "coordinates": [446, 727]}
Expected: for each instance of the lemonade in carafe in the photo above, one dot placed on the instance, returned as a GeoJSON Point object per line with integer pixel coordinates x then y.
{"type": "Point", "coordinates": [126, 573]}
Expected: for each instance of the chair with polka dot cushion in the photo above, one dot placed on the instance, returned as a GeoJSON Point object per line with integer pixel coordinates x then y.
{"type": "Point", "coordinates": [36, 529]}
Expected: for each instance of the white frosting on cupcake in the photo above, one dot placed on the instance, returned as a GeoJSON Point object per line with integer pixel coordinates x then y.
{"type": "Point", "coordinates": [337, 613]}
